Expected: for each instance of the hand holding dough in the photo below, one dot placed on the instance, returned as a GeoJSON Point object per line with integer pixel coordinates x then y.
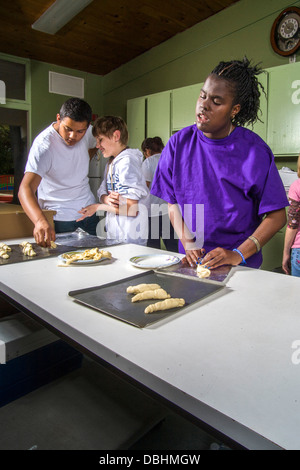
{"type": "Point", "coordinates": [141, 288]}
{"type": "Point", "coordinates": [151, 294]}
{"type": "Point", "coordinates": [165, 305]}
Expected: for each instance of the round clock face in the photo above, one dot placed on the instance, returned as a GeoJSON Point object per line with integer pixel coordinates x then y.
{"type": "Point", "coordinates": [285, 34]}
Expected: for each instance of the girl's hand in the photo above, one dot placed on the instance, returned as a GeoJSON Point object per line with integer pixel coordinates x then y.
{"type": "Point", "coordinates": [219, 257]}
{"type": "Point", "coordinates": [192, 257]}
{"type": "Point", "coordinates": [286, 263]}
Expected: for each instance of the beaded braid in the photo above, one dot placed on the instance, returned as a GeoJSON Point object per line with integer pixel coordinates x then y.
{"type": "Point", "coordinates": [246, 88]}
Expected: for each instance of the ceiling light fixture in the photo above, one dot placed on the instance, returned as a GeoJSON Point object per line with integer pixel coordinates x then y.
{"type": "Point", "coordinates": [58, 15]}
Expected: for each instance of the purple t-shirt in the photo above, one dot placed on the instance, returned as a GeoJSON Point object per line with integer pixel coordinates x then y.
{"type": "Point", "coordinates": [227, 184]}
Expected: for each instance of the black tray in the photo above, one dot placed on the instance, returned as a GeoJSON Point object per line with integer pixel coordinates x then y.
{"type": "Point", "coordinates": [16, 254]}
{"type": "Point", "coordinates": [112, 299]}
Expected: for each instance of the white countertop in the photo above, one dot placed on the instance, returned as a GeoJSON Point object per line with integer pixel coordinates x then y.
{"type": "Point", "coordinates": [227, 361]}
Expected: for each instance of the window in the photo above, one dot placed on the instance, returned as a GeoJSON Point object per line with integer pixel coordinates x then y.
{"type": "Point", "coordinates": [13, 75]}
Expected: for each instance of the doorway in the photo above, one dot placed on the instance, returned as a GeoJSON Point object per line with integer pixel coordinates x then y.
{"type": "Point", "coordinates": [13, 152]}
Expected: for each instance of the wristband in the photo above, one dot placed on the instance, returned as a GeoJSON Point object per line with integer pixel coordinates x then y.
{"type": "Point", "coordinates": [256, 242]}
{"type": "Point", "coordinates": [243, 263]}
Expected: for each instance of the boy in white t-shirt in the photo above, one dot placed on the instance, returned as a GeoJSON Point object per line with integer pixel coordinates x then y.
{"type": "Point", "coordinates": [57, 169]}
{"type": "Point", "coordinates": [123, 194]}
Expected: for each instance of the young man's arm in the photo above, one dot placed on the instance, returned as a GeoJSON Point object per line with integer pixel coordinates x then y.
{"type": "Point", "coordinates": [43, 232]}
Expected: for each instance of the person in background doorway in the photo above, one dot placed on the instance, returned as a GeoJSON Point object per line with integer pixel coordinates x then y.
{"type": "Point", "coordinates": [57, 168]}
{"type": "Point", "coordinates": [291, 250]}
{"type": "Point", "coordinates": [123, 193]}
{"type": "Point", "coordinates": [227, 171]}
{"type": "Point", "coordinates": [159, 222]}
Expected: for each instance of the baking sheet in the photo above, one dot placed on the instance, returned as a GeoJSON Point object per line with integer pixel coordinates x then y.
{"type": "Point", "coordinates": [16, 254]}
{"type": "Point", "coordinates": [81, 239]}
{"type": "Point", "coordinates": [112, 299]}
{"type": "Point", "coordinates": [219, 275]}
{"type": "Point", "coordinates": [64, 242]}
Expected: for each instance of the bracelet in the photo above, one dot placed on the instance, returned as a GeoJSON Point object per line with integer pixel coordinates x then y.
{"type": "Point", "coordinates": [243, 263]}
{"type": "Point", "coordinates": [256, 242]}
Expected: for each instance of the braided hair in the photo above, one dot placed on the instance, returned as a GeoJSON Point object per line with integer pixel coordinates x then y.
{"type": "Point", "coordinates": [242, 77]}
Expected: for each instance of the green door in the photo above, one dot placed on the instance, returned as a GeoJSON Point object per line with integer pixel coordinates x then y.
{"type": "Point", "coordinates": [136, 121]}
{"type": "Point", "coordinates": [159, 115]}
{"type": "Point", "coordinates": [184, 106]}
{"type": "Point", "coordinates": [284, 109]}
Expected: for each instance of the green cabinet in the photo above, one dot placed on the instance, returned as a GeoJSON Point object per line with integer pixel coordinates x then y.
{"type": "Point", "coordinates": [166, 112]}
{"type": "Point", "coordinates": [272, 252]}
{"type": "Point", "coordinates": [136, 121]}
{"type": "Point", "coordinates": [284, 109]}
{"type": "Point", "coordinates": [149, 116]}
{"type": "Point", "coordinates": [184, 106]}
{"type": "Point", "coordinates": [158, 115]}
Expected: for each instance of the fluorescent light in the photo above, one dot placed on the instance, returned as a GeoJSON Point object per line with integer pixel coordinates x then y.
{"type": "Point", "coordinates": [59, 14]}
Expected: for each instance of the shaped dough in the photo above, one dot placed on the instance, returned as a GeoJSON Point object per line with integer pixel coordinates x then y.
{"type": "Point", "coordinates": [4, 254]}
{"type": "Point", "coordinates": [27, 249]}
{"type": "Point", "coordinates": [90, 254]}
{"type": "Point", "coordinates": [203, 271]}
{"type": "Point", "coordinates": [165, 305]}
{"type": "Point", "coordinates": [4, 249]}
{"type": "Point", "coordinates": [141, 288]}
{"type": "Point", "coordinates": [151, 294]}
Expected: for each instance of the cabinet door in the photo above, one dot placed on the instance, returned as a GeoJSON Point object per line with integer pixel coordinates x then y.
{"type": "Point", "coordinates": [184, 106]}
{"type": "Point", "coordinates": [260, 127]}
{"type": "Point", "coordinates": [159, 115]}
{"type": "Point", "coordinates": [284, 109]}
{"type": "Point", "coordinates": [136, 121]}
{"type": "Point", "coordinates": [273, 251]}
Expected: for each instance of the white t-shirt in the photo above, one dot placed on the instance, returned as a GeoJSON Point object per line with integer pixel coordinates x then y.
{"type": "Point", "coordinates": [64, 171]}
{"type": "Point", "coordinates": [157, 206]}
{"type": "Point", "coordinates": [124, 175]}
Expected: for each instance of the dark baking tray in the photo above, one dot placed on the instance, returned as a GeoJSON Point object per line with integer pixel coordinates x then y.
{"type": "Point", "coordinates": [112, 299]}
{"type": "Point", "coordinates": [16, 254]}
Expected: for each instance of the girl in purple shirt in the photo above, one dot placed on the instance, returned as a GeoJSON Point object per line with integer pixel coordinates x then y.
{"type": "Point", "coordinates": [225, 195]}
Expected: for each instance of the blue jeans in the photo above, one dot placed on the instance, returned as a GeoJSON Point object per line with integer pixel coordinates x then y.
{"type": "Point", "coordinates": [295, 262]}
{"type": "Point", "coordinates": [88, 224]}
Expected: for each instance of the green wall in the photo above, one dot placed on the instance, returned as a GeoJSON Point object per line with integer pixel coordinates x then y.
{"type": "Point", "coordinates": [242, 29]}
{"type": "Point", "coordinates": [45, 105]}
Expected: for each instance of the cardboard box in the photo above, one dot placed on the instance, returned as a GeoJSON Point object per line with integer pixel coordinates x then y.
{"type": "Point", "coordinates": [14, 223]}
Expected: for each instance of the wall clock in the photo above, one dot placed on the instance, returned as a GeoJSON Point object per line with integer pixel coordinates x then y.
{"type": "Point", "coordinates": [285, 32]}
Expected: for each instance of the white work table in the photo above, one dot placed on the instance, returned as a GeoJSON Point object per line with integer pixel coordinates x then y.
{"type": "Point", "coordinates": [226, 362]}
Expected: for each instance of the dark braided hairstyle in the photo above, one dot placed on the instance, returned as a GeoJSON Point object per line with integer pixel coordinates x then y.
{"type": "Point", "coordinates": [242, 77]}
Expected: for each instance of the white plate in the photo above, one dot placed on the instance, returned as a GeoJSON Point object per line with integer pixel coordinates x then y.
{"type": "Point", "coordinates": [80, 261]}
{"type": "Point", "coordinates": [154, 261]}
